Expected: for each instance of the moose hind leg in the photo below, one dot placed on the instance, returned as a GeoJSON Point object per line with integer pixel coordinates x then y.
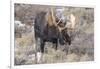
{"type": "Point", "coordinates": [55, 45]}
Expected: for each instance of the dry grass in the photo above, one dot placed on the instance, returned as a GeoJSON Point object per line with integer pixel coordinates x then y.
{"type": "Point", "coordinates": [25, 40]}
{"type": "Point", "coordinates": [81, 49]}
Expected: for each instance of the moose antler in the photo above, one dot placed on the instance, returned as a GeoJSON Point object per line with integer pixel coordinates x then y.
{"type": "Point", "coordinates": [53, 17]}
{"type": "Point", "coordinates": [72, 21]}
{"type": "Point", "coordinates": [54, 20]}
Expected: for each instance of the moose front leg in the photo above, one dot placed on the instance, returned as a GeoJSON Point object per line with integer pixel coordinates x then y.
{"type": "Point", "coordinates": [42, 46]}
{"type": "Point", "coordinates": [40, 54]}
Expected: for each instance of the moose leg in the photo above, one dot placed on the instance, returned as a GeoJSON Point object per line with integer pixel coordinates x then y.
{"type": "Point", "coordinates": [42, 46]}
{"type": "Point", "coordinates": [55, 45]}
{"type": "Point", "coordinates": [35, 47]}
{"type": "Point", "coordinates": [40, 54]}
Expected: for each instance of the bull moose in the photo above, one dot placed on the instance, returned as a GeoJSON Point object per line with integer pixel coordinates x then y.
{"type": "Point", "coordinates": [48, 29]}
